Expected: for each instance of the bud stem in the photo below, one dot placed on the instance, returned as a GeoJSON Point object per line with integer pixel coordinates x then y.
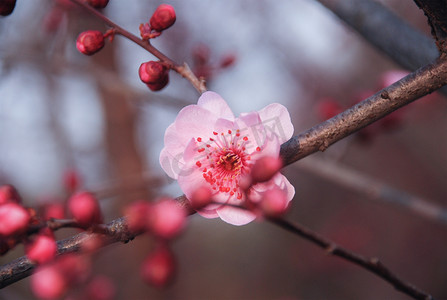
{"type": "Point", "coordinates": [183, 70]}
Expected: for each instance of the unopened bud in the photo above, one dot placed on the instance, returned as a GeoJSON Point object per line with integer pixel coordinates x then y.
{"type": "Point", "coordinates": [89, 42]}
{"type": "Point", "coordinates": [265, 168]}
{"type": "Point", "coordinates": [84, 208]}
{"type": "Point", "coordinates": [159, 267]}
{"type": "Point", "coordinates": [163, 17]}
{"type": "Point", "coordinates": [101, 288]}
{"type": "Point", "coordinates": [42, 249]}
{"type": "Point", "coordinates": [274, 203]}
{"type": "Point", "coordinates": [137, 214]}
{"type": "Point", "coordinates": [6, 7]}
{"type": "Point", "coordinates": [167, 218]}
{"type": "Point", "coordinates": [201, 197]}
{"type": "Point", "coordinates": [71, 180]}
{"type": "Point", "coordinates": [152, 72]}
{"type": "Point", "coordinates": [14, 219]}
{"type": "Point", "coordinates": [8, 193]}
{"type": "Point", "coordinates": [48, 282]}
{"type": "Point", "coordinates": [98, 3]}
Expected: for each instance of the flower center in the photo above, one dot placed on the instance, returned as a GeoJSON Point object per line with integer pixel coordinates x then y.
{"type": "Point", "coordinates": [223, 159]}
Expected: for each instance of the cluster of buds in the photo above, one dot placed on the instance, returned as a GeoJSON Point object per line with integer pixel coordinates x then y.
{"type": "Point", "coordinates": [165, 220]}
{"type": "Point", "coordinates": [155, 74]}
{"type": "Point", "coordinates": [202, 65]}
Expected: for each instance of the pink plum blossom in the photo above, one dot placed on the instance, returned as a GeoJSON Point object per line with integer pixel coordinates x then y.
{"type": "Point", "coordinates": [208, 146]}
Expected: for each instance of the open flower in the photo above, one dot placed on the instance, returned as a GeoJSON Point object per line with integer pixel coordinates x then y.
{"type": "Point", "coordinates": [207, 146]}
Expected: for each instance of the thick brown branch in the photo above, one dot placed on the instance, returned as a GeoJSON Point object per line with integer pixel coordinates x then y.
{"type": "Point", "coordinates": [419, 83]}
{"type": "Point", "coordinates": [371, 264]}
{"type": "Point", "coordinates": [22, 267]}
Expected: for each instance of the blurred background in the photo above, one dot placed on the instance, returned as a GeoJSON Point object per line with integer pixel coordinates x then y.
{"type": "Point", "coordinates": [63, 112]}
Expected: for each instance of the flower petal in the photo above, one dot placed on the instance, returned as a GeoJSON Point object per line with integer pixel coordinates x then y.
{"type": "Point", "coordinates": [276, 118]}
{"type": "Point", "coordinates": [214, 103]}
{"type": "Point", "coordinates": [194, 121]}
{"type": "Point", "coordinates": [235, 216]}
{"type": "Point", "coordinates": [171, 164]}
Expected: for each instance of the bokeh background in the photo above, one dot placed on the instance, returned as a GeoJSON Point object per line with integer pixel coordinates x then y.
{"type": "Point", "coordinates": [61, 111]}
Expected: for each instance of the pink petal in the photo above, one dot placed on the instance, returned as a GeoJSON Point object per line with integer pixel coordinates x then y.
{"type": "Point", "coordinates": [194, 121]}
{"type": "Point", "coordinates": [171, 164]}
{"type": "Point", "coordinates": [250, 125]}
{"type": "Point", "coordinates": [235, 216]}
{"type": "Point", "coordinates": [214, 103]}
{"type": "Point", "coordinates": [275, 118]}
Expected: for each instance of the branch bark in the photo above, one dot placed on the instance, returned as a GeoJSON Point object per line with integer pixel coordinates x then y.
{"type": "Point", "coordinates": [371, 264]}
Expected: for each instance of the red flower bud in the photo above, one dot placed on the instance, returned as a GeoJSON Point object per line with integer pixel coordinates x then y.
{"type": "Point", "coordinates": [8, 193]}
{"type": "Point", "coordinates": [274, 203]}
{"type": "Point", "coordinates": [265, 168]}
{"type": "Point", "coordinates": [48, 282]}
{"type": "Point", "coordinates": [201, 197]}
{"type": "Point", "coordinates": [101, 288]}
{"type": "Point", "coordinates": [98, 3]}
{"type": "Point", "coordinates": [71, 180]}
{"type": "Point", "coordinates": [89, 42]}
{"type": "Point", "coordinates": [137, 214]}
{"type": "Point", "coordinates": [152, 72]}
{"type": "Point", "coordinates": [14, 219]}
{"type": "Point", "coordinates": [53, 211]}
{"type": "Point", "coordinates": [42, 249]}
{"type": "Point", "coordinates": [167, 218]}
{"type": "Point", "coordinates": [163, 17]}
{"type": "Point", "coordinates": [158, 85]}
{"type": "Point", "coordinates": [158, 268]}
{"type": "Point", "coordinates": [85, 209]}
{"type": "Point", "coordinates": [6, 7]}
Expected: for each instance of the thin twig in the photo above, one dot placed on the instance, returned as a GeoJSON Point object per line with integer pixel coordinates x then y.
{"type": "Point", "coordinates": [373, 188]}
{"type": "Point", "coordinates": [371, 264]}
{"type": "Point", "coordinates": [183, 70]}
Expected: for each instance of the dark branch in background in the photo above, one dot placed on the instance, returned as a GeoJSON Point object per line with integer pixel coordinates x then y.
{"type": "Point", "coordinates": [405, 45]}
{"type": "Point", "coordinates": [436, 12]}
{"type": "Point", "coordinates": [183, 70]}
{"type": "Point", "coordinates": [372, 188]}
{"type": "Point", "coordinates": [417, 84]}
{"type": "Point", "coordinates": [371, 264]}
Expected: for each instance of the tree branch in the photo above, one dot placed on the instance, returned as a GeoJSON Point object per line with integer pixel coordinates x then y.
{"type": "Point", "coordinates": [318, 138]}
{"type": "Point", "coordinates": [371, 264]}
{"type": "Point", "coordinates": [417, 84]}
